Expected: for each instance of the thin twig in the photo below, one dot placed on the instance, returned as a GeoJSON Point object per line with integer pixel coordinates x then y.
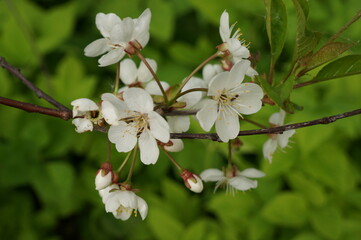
{"type": "Point", "coordinates": [65, 115]}
{"type": "Point", "coordinates": [280, 129]}
{"type": "Point", "coordinates": [14, 71]}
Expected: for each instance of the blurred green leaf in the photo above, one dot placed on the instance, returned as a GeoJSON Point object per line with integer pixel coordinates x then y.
{"type": "Point", "coordinates": [342, 67]}
{"type": "Point", "coordinates": [196, 230]}
{"type": "Point", "coordinates": [259, 228]}
{"type": "Point", "coordinates": [162, 24]}
{"type": "Point", "coordinates": [286, 209]}
{"type": "Point", "coordinates": [276, 24]}
{"type": "Point", "coordinates": [173, 228]}
{"type": "Point", "coordinates": [327, 221]}
{"type": "Point", "coordinates": [307, 236]}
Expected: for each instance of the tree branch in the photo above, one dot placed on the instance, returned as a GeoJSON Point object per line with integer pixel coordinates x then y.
{"type": "Point", "coordinates": [280, 129]}
{"type": "Point", "coordinates": [14, 71]}
{"type": "Point", "coordinates": [65, 115]}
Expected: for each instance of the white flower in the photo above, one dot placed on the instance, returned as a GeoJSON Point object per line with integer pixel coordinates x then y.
{"type": "Point", "coordinates": [281, 140]}
{"type": "Point", "coordinates": [105, 192]}
{"type": "Point", "coordinates": [142, 77]}
{"type": "Point", "coordinates": [123, 203]}
{"type": "Point", "coordinates": [139, 122]}
{"type": "Point", "coordinates": [82, 108]}
{"type": "Point", "coordinates": [232, 178]}
{"type": "Point", "coordinates": [232, 45]}
{"type": "Point", "coordinates": [192, 181]}
{"type": "Point", "coordinates": [119, 36]}
{"type": "Point", "coordinates": [230, 99]}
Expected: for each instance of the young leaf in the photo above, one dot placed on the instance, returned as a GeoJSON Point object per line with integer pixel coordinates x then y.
{"type": "Point", "coordinates": [276, 23]}
{"type": "Point", "coordinates": [342, 67]}
{"type": "Point", "coordinates": [327, 53]}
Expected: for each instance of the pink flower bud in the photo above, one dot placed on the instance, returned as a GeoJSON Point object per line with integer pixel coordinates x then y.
{"type": "Point", "coordinates": [192, 181]}
{"type": "Point", "coordinates": [104, 176]}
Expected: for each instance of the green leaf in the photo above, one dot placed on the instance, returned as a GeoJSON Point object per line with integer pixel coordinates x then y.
{"type": "Point", "coordinates": [276, 24]}
{"type": "Point", "coordinates": [163, 19]}
{"type": "Point", "coordinates": [324, 55]}
{"type": "Point", "coordinates": [287, 209]}
{"type": "Point", "coordinates": [259, 229]}
{"type": "Point", "coordinates": [196, 230]}
{"type": "Point", "coordinates": [342, 67]}
{"type": "Point", "coordinates": [163, 225]}
{"type": "Point", "coordinates": [327, 221]}
{"type": "Point", "coordinates": [307, 236]}
{"type": "Point", "coordinates": [306, 40]}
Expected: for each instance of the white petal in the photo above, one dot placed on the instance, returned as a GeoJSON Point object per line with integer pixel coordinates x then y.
{"type": "Point", "coordinates": [278, 118]}
{"type": "Point", "coordinates": [106, 22]}
{"type": "Point", "coordinates": [236, 75]}
{"type": "Point", "coordinates": [124, 214]}
{"type": "Point", "coordinates": [142, 207]}
{"type": "Point", "coordinates": [282, 139]}
{"type": "Point", "coordinates": [158, 127]}
{"type": "Point", "coordinates": [149, 150]}
{"type": "Point", "coordinates": [97, 47]}
{"type": "Point", "coordinates": [192, 98]}
{"type": "Point", "coordinates": [224, 31]}
{"type": "Point", "coordinates": [128, 199]}
{"type": "Point", "coordinates": [251, 173]}
{"type": "Point", "coordinates": [124, 136]}
{"type": "Point", "coordinates": [102, 181]}
{"type": "Point", "coordinates": [218, 84]}
{"type": "Point", "coordinates": [212, 175]}
{"type": "Point", "coordinates": [139, 100]}
{"type": "Point", "coordinates": [178, 124]}
{"type": "Point", "coordinates": [251, 72]}
{"type": "Point", "coordinates": [83, 105]}
{"type": "Point", "coordinates": [238, 51]}
{"type": "Point", "coordinates": [153, 88]}
{"type": "Point", "coordinates": [141, 31]}
{"type": "Point", "coordinates": [227, 126]}
{"type": "Point", "coordinates": [269, 147]}
{"type": "Point", "coordinates": [113, 56]}
{"type": "Point", "coordinates": [113, 108]}
{"type": "Point", "coordinates": [247, 103]}
{"type": "Point", "coordinates": [197, 186]}
{"type": "Point", "coordinates": [144, 75]}
{"type": "Point", "coordinates": [105, 192]}
{"type": "Point", "coordinates": [209, 71]}
{"type": "Point", "coordinates": [122, 33]}
{"type": "Point", "coordinates": [176, 147]}
{"type": "Point", "coordinates": [82, 125]}
{"type": "Point", "coordinates": [128, 71]}
{"type": "Point", "coordinates": [242, 183]}
{"type": "Point", "coordinates": [207, 115]}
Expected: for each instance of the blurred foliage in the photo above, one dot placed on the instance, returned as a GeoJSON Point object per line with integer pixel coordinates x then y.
{"type": "Point", "coordinates": [311, 192]}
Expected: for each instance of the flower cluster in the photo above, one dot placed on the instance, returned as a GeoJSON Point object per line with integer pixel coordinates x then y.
{"type": "Point", "coordinates": [140, 114]}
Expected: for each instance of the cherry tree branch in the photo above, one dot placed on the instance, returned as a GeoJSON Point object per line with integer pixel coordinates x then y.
{"type": "Point", "coordinates": [14, 71]}
{"type": "Point", "coordinates": [279, 130]}
{"type": "Point", "coordinates": [65, 115]}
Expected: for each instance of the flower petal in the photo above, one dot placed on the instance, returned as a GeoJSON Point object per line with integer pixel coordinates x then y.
{"type": "Point", "coordinates": [209, 71]}
{"type": "Point", "coordinates": [142, 207]}
{"type": "Point", "coordinates": [212, 175]}
{"type": "Point", "coordinates": [192, 98]}
{"type": "Point", "coordinates": [207, 115]}
{"type": "Point", "coordinates": [227, 125]}
{"type": "Point", "coordinates": [122, 32]}
{"type": "Point", "coordinates": [113, 108]}
{"type": "Point", "coordinates": [141, 31]}
{"type": "Point", "coordinates": [144, 75]}
{"type": "Point", "coordinates": [218, 84]}
{"type": "Point", "coordinates": [113, 56]}
{"type": "Point", "coordinates": [153, 88]}
{"type": "Point", "coordinates": [138, 99]}
{"type": "Point", "coordinates": [124, 136]}
{"type": "Point", "coordinates": [224, 30]}
{"type": "Point", "coordinates": [176, 147]}
{"type": "Point", "coordinates": [82, 125]}
{"type": "Point", "coordinates": [158, 127]}
{"type": "Point", "coordinates": [97, 47]}
{"type": "Point", "coordinates": [82, 105]}
{"type": "Point", "coordinates": [149, 150]}
{"type": "Point", "coordinates": [251, 173]}
{"type": "Point", "coordinates": [236, 75]}
{"type": "Point", "coordinates": [278, 118]}
{"type": "Point", "coordinates": [106, 22]}
{"type": "Point", "coordinates": [282, 139]}
{"type": "Point", "coordinates": [178, 124]}
{"type": "Point", "coordinates": [242, 183]}
{"type": "Point", "coordinates": [269, 147]}
{"type": "Point", "coordinates": [128, 71]}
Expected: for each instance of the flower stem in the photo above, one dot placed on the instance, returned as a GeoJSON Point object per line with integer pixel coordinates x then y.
{"type": "Point", "coordinates": [194, 72]}
{"type": "Point", "coordinates": [117, 76]}
{"type": "Point", "coordinates": [124, 162]}
{"type": "Point", "coordinates": [154, 75]}
{"type": "Point", "coordinates": [173, 160]}
{"type": "Point", "coordinates": [191, 90]}
{"type": "Point", "coordinates": [132, 165]}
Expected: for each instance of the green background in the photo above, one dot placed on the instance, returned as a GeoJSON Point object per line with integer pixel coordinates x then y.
{"type": "Point", "coordinates": [312, 188]}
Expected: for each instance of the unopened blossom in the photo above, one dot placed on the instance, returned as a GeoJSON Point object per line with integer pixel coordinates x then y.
{"type": "Point", "coordinates": [281, 140]}
{"type": "Point", "coordinates": [139, 123]}
{"type": "Point", "coordinates": [104, 176]}
{"type": "Point", "coordinates": [124, 203]}
{"type": "Point", "coordinates": [85, 113]}
{"type": "Point", "coordinates": [229, 99]}
{"type": "Point", "coordinates": [233, 49]}
{"type": "Point", "coordinates": [232, 179]}
{"type": "Point", "coordinates": [120, 36]}
{"type": "Point", "coordinates": [132, 76]}
{"type": "Point", "coordinates": [192, 181]}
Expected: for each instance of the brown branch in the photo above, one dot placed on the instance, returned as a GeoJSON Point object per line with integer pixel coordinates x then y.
{"type": "Point", "coordinates": [65, 115]}
{"type": "Point", "coordinates": [280, 129]}
{"type": "Point", "coordinates": [14, 71]}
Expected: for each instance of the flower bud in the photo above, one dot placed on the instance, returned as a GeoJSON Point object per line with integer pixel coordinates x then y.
{"type": "Point", "coordinates": [192, 181]}
{"type": "Point", "coordinates": [104, 176]}
{"type": "Point", "coordinates": [175, 145]}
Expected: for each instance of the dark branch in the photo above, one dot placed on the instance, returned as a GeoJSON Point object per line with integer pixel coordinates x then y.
{"type": "Point", "coordinates": [14, 71]}
{"type": "Point", "coordinates": [280, 129]}
{"type": "Point", "coordinates": [65, 115]}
